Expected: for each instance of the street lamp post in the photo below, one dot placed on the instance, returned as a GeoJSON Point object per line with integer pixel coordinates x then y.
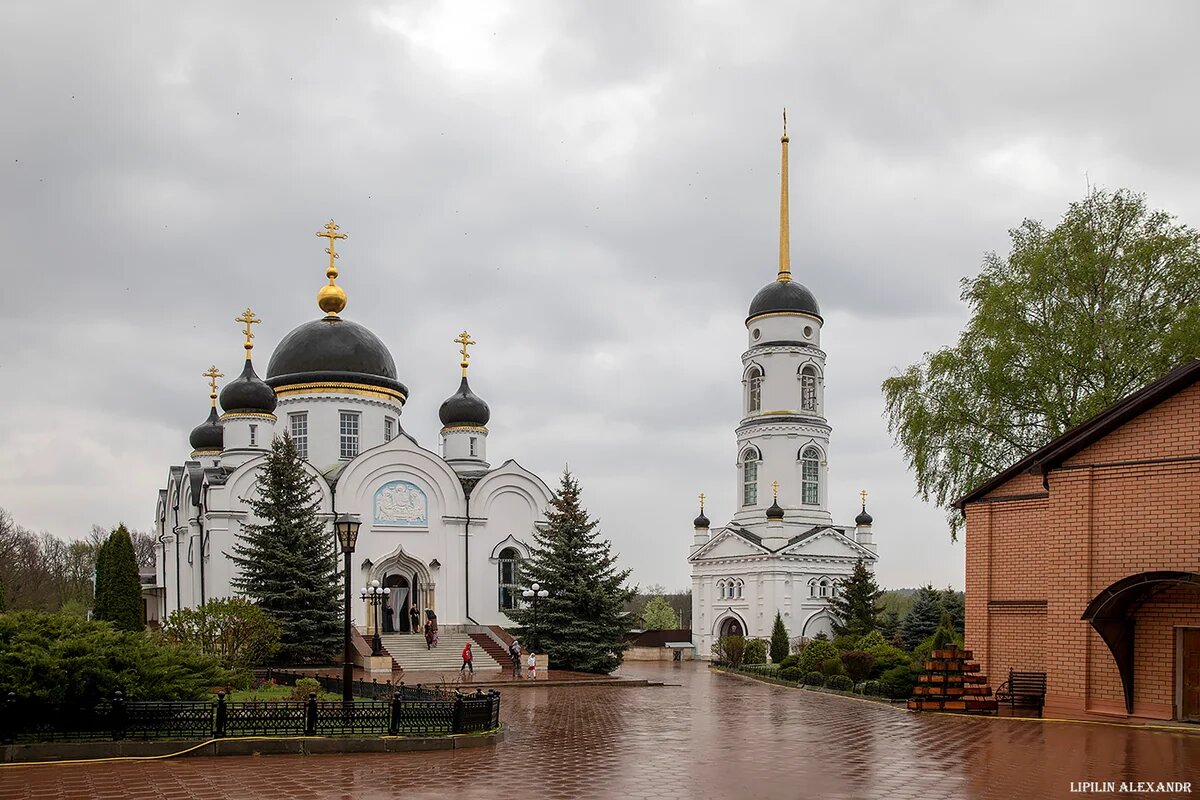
{"type": "Point", "coordinates": [375, 595]}
{"type": "Point", "coordinates": [347, 526]}
{"type": "Point", "coordinates": [534, 593]}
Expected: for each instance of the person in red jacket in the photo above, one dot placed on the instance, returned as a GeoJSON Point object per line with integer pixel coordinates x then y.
{"type": "Point", "coordinates": [468, 659]}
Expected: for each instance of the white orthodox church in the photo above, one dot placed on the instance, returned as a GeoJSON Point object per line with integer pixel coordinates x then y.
{"type": "Point", "coordinates": [781, 552]}
{"type": "Point", "coordinates": [445, 530]}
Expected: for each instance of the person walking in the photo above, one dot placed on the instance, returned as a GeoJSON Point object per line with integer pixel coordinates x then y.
{"type": "Point", "coordinates": [468, 659]}
{"type": "Point", "coordinates": [415, 617]}
{"type": "Point", "coordinates": [532, 665]}
{"type": "Point", "coordinates": [514, 652]}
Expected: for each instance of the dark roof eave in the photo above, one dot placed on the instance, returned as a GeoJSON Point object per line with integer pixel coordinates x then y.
{"type": "Point", "coordinates": [1061, 448]}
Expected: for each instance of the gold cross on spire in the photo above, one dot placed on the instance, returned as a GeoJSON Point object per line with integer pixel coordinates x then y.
{"type": "Point", "coordinates": [702, 502]}
{"type": "Point", "coordinates": [465, 340]}
{"type": "Point", "coordinates": [331, 298]}
{"type": "Point", "coordinates": [775, 489]}
{"type": "Point", "coordinates": [863, 495]}
{"type": "Point", "coordinates": [212, 376]}
{"type": "Point", "coordinates": [248, 319]}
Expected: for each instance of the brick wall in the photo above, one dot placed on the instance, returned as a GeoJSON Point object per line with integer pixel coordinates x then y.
{"type": "Point", "coordinates": [1104, 519]}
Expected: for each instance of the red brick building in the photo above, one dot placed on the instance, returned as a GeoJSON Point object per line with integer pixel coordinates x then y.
{"type": "Point", "coordinates": [1083, 560]}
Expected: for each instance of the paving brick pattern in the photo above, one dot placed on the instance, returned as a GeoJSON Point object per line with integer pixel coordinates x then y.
{"type": "Point", "coordinates": [713, 736]}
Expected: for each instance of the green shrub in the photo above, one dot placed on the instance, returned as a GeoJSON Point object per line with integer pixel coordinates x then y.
{"type": "Point", "coordinates": [755, 652]}
{"type": "Point", "coordinates": [64, 659]}
{"type": "Point", "coordinates": [233, 629]}
{"type": "Point", "coordinates": [304, 687]}
{"type": "Point", "coordinates": [846, 642]}
{"type": "Point", "coordinates": [790, 661]}
{"type": "Point", "coordinates": [832, 666]}
{"type": "Point", "coordinates": [730, 650]}
{"type": "Point", "coordinates": [872, 639]}
{"type": "Point", "coordinates": [814, 679]}
{"type": "Point", "coordinates": [887, 657]}
{"type": "Point", "coordinates": [872, 688]}
{"type": "Point", "coordinates": [779, 639]}
{"type": "Point", "coordinates": [857, 664]}
{"type": "Point", "coordinates": [792, 673]}
{"type": "Point", "coordinates": [840, 682]}
{"type": "Point", "coordinates": [898, 682]}
{"type": "Point", "coordinates": [815, 652]}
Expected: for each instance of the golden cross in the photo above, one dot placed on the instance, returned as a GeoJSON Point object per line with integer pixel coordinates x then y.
{"type": "Point", "coordinates": [863, 495]}
{"type": "Point", "coordinates": [775, 488]}
{"type": "Point", "coordinates": [331, 233]}
{"type": "Point", "coordinates": [464, 339]}
{"type": "Point", "coordinates": [212, 376]}
{"type": "Point", "coordinates": [247, 318]}
{"type": "Point", "coordinates": [702, 502]}
{"type": "Point", "coordinates": [785, 123]}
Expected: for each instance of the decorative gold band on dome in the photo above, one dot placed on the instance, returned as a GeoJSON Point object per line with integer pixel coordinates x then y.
{"type": "Point", "coordinates": [254, 414]}
{"type": "Point", "coordinates": [206, 453]}
{"type": "Point", "coordinates": [464, 429]}
{"type": "Point", "coordinates": [818, 320]}
{"type": "Point", "coordinates": [332, 387]}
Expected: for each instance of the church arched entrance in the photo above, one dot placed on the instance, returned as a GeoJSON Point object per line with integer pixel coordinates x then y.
{"type": "Point", "coordinates": [411, 595]}
{"type": "Point", "coordinates": [732, 627]}
{"type": "Point", "coordinates": [397, 612]}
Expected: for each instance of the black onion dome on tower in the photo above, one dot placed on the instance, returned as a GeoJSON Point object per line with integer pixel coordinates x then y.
{"type": "Point", "coordinates": [248, 393]}
{"type": "Point", "coordinates": [702, 521]}
{"type": "Point", "coordinates": [775, 512]}
{"type": "Point", "coordinates": [784, 297]}
{"type": "Point", "coordinates": [464, 407]}
{"type": "Point", "coordinates": [333, 350]}
{"type": "Point", "coordinates": [208, 435]}
{"type": "Point", "coordinates": [863, 518]}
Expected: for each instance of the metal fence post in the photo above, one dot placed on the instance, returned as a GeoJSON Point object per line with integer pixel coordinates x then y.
{"type": "Point", "coordinates": [117, 716]}
{"type": "Point", "coordinates": [8, 719]}
{"type": "Point", "coordinates": [310, 715]}
{"type": "Point", "coordinates": [394, 720]}
{"type": "Point", "coordinates": [222, 710]}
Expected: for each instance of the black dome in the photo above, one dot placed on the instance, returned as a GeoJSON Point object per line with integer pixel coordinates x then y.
{"type": "Point", "coordinates": [863, 518]}
{"type": "Point", "coordinates": [464, 407]}
{"type": "Point", "coordinates": [701, 521]}
{"type": "Point", "coordinates": [332, 349]}
{"type": "Point", "coordinates": [247, 392]}
{"type": "Point", "coordinates": [784, 296]}
{"type": "Point", "coordinates": [208, 435]}
{"type": "Point", "coordinates": [775, 512]}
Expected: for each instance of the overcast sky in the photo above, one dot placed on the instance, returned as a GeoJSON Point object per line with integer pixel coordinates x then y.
{"type": "Point", "coordinates": [590, 189]}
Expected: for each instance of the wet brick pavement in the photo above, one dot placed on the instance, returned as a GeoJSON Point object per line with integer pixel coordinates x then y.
{"type": "Point", "coordinates": [712, 736]}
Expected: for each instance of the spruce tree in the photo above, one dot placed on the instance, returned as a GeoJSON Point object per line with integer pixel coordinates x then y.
{"type": "Point", "coordinates": [922, 619]}
{"type": "Point", "coordinates": [579, 625]}
{"type": "Point", "coordinates": [118, 587]}
{"type": "Point", "coordinates": [854, 609]}
{"type": "Point", "coordinates": [286, 560]}
{"type": "Point", "coordinates": [781, 645]}
{"type": "Point", "coordinates": [955, 604]}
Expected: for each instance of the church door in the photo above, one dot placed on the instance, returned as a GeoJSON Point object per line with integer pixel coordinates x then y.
{"type": "Point", "coordinates": [731, 627]}
{"type": "Point", "coordinates": [1190, 673]}
{"type": "Point", "coordinates": [398, 601]}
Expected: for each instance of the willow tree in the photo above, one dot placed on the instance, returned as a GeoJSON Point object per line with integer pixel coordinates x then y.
{"type": "Point", "coordinates": [1075, 317]}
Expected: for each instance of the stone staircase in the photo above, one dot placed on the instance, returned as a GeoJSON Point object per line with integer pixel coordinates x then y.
{"type": "Point", "coordinates": [408, 650]}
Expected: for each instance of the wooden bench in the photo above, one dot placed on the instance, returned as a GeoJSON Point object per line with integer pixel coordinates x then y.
{"type": "Point", "coordinates": [1024, 689]}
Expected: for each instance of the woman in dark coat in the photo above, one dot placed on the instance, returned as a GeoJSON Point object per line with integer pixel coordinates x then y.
{"type": "Point", "coordinates": [415, 616]}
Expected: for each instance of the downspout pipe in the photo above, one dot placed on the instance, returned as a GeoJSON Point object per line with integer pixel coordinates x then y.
{"type": "Point", "coordinates": [178, 577]}
{"type": "Point", "coordinates": [467, 562]}
{"type": "Point", "coordinates": [200, 522]}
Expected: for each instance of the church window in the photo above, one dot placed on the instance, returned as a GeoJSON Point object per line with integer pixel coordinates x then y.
{"type": "Point", "coordinates": [756, 380]}
{"type": "Point", "coordinates": [253, 435]}
{"type": "Point", "coordinates": [509, 565]}
{"type": "Point", "coordinates": [812, 588]}
{"type": "Point", "coordinates": [810, 476]}
{"type": "Point", "coordinates": [474, 446]}
{"type": "Point", "coordinates": [298, 425]}
{"type": "Point", "coordinates": [739, 589]}
{"type": "Point", "coordinates": [349, 432]}
{"type": "Point", "coordinates": [750, 478]}
{"type": "Point", "coordinates": [824, 588]}
{"type": "Point", "coordinates": [808, 388]}
{"type": "Point", "coordinates": [389, 428]}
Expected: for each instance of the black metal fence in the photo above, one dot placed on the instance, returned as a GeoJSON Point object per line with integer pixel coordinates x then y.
{"type": "Point", "coordinates": [400, 715]}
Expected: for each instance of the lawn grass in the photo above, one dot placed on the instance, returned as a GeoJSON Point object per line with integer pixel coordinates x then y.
{"type": "Point", "coordinates": [270, 692]}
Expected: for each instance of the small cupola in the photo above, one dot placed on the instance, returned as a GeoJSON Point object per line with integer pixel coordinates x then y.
{"type": "Point", "coordinates": [464, 417]}
{"type": "Point", "coordinates": [863, 519]}
{"type": "Point", "coordinates": [208, 438]}
{"type": "Point", "coordinates": [248, 402]}
{"type": "Point", "coordinates": [701, 522]}
{"type": "Point", "coordinates": [775, 512]}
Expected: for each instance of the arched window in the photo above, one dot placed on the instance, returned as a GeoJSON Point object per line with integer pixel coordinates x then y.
{"type": "Point", "coordinates": [755, 378]}
{"type": "Point", "coordinates": [750, 477]}
{"type": "Point", "coordinates": [810, 476]}
{"type": "Point", "coordinates": [721, 589]}
{"type": "Point", "coordinates": [739, 590]}
{"type": "Point", "coordinates": [812, 588]}
{"type": "Point", "coordinates": [510, 569]}
{"type": "Point", "coordinates": [824, 588]}
{"type": "Point", "coordinates": [808, 388]}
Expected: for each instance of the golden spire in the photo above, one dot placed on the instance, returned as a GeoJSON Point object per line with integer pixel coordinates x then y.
{"type": "Point", "coordinates": [702, 502]}
{"type": "Point", "coordinates": [247, 318]}
{"type": "Point", "coordinates": [464, 339]}
{"type": "Point", "coordinates": [331, 298]}
{"type": "Point", "coordinates": [863, 495]}
{"type": "Point", "coordinates": [785, 254]}
{"type": "Point", "coordinates": [775, 489]}
{"type": "Point", "coordinates": [212, 376]}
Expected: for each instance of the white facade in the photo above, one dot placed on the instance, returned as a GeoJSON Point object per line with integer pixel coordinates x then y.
{"type": "Point", "coordinates": [780, 553]}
